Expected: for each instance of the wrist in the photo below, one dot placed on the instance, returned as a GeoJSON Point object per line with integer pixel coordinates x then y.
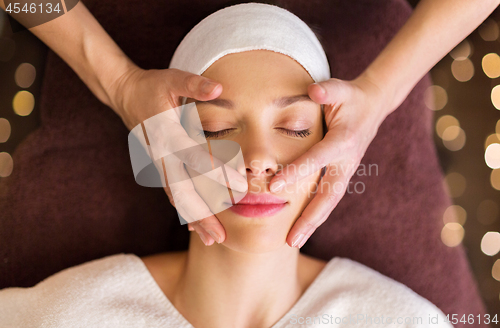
{"type": "Point", "coordinates": [381, 96]}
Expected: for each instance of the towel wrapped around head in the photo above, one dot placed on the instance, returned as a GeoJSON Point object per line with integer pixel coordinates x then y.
{"type": "Point", "coordinates": [251, 26]}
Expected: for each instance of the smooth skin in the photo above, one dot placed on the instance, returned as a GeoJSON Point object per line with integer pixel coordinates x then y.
{"type": "Point", "coordinates": [354, 109]}
{"type": "Point", "coordinates": [253, 278]}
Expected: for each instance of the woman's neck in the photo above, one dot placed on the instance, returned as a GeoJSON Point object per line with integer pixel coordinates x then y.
{"type": "Point", "coordinates": [220, 287]}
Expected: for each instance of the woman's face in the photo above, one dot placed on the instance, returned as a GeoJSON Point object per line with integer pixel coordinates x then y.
{"type": "Point", "coordinates": [263, 107]}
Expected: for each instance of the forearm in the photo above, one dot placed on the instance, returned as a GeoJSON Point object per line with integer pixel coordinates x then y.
{"type": "Point", "coordinates": [85, 46]}
{"type": "Point", "coordinates": [433, 30]}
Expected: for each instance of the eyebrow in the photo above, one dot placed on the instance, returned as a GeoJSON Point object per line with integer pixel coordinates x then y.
{"type": "Point", "coordinates": [278, 102]}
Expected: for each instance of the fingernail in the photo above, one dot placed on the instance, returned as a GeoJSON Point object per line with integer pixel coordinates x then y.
{"type": "Point", "coordinates": [277, 186]}
{"type": "Point", "coordinates": [297, 240]}
{"type": "Point", "coordinates": [208, 87]}
{"type": "Point", "coordinates": [203, 238]}
{"type": "Point", "coordinates": [323, 91]}
{"type": "Point", "coordinates": [304, 240]}
{"type": "Point", "coordinates": [214, 235]}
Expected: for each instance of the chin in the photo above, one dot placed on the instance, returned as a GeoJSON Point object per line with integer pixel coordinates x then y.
{"type": "Point", "coordinates": [254, 235]}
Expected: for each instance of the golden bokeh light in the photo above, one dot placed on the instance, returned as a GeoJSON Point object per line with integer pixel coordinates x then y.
{"type": "Point", "coordinates": [462, 70]}
{"type": "Point", "coordinates": [495, 271]}
{"type": "Point", "coordinates": [489, 30]}
{"type": "Point", "coordinates": [6, 164]}
{"type": "Point", "coordinates": [455, 213]}
{"type": "Point", "coordinates": [497, 129]}
{"type": "Point", "coordinates": [435, 97]}
{"type": "Point", "coordinates": [492, 156]}
{"type": "Point", "coordinates": [495, 179]}
{"type": "Point", "coordinates": [25, 75]}
{"type": "Point", "coordinates": [455, 184]}
{"type": "Point", "coordinates": [4, 130]}
{"type": "Point", "coordinates": [487, 212]}
{"type": "Point", "coordinates": [490, 244]}
{"type": "Point", "coordinates": [444, 122]}
{"type": "Point", "coordinates": [451, 133]}
{"type": "Point", "coordinates": [492, 138]}
{"type": "Point", "coordinates": [491, 65]}
{"type": "Point", "coordinates": [462, 51]}
{"type": "Point", "coordinates": [495, 96]}
{"type": "Point", "coordinates": [454, 138]}
{"type": "Point", "coordinates": [452, 234]}
{"type": "Point", "coordinates": [23, 103]}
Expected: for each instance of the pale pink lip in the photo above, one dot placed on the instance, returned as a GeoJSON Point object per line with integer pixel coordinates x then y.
{"type": "Point", "coordinates": [258, 205]}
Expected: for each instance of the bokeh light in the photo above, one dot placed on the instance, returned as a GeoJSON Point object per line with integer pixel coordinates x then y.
{"type": "Point", "coordinates": [495, 271]}
{"type": "Point", "coordinates": [497, 129]}
{"type": "Point", "coordinates": [495, 179]}
{"type": "Point", "coordinates": [492, 156]}
{"type": "Point", "coordinates": [462, 51]}
{"type": "Point", "coordinates": [495, 96]}
{"type": "Point", "coordinates": [487, 212]}
{"type": "Point", "coordinates": [444, 122]}
{"type": "Point", "coordinates": [23, 103]}
{"type": "Point", "coordinates": [489, 30]}
{"type": "Point", "coordinates": [454, 138]}
{"type": "Point", "coordinates": [4, 130]}
{"type": "Point", "coordinates": [455, 183]}
{"type": "Point", "coordinates": [6, 164]}
{"type": "Point", "coordinates": [491, 139]}
{"type": "Point", "coordinates": [25, 75]}
{"type": "Point", "coordinates": [490, 244]}
{"type": "Point", "coordinates": [462, 70]}
{"type": "Point", "coordinates": [435, 97]}
{"type": "Point", "coordinates": [452, 234]}
{"type": "Point", "coordinates": [491, 65]}
{"type": "Point", "coordinates": [455, 213]}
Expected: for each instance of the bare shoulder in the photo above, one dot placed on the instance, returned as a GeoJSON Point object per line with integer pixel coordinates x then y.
{"type": "Point", "coordinates": [166, 268]}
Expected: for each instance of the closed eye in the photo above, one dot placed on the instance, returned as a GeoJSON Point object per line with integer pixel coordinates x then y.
{"type": "Point", "coordinates": [292, 133]}
{"type": "Point", "coordinates": [215, 134]}
{"type": "Point", "coordinates": [297, 133]}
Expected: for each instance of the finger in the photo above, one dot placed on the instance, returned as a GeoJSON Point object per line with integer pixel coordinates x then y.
{"type": "Point", "coordinates": [332, 91]}
{"type": "Point", "coordinates": [185, 84]}
{"type": "Point", "coordinates": [212, 226]}
{"type": "Point", "coordinates": [318, 156]}
{"type": "Point", "coordinates": [204, 236]}
{"type": "Point", "coordinates": [187, 200]}
{"type": "Point", "coordinates": [169, 139]}
{"type": "Point", "coordinates": [330, 192]}
{"type": "Point", "coordinates": [210, 166]}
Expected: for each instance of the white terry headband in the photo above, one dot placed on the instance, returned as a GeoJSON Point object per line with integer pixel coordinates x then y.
{"type": "Point", "coordinates": [251, 26]}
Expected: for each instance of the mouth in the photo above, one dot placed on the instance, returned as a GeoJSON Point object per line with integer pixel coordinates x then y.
{"type": "Point", "coordinates": [258, 205]}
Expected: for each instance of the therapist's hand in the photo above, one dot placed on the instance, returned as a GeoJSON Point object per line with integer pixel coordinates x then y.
{"type": "Point", "coordinates": [354, 111]}
{"type": "Point", "coordinates": [140, 94]}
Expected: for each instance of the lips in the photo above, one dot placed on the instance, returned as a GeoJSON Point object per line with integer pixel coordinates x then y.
{"type": "Point", "coordinates": [258, 205]}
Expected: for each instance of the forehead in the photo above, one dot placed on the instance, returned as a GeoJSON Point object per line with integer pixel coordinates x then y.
{"type": "Point", "coordinates": [259, 72]}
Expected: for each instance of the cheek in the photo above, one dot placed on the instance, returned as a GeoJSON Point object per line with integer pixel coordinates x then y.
{"type": "Point", "coordinates": [303, 191]}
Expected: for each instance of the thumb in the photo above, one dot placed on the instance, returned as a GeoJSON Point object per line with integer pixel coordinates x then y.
{"type": "Point", "coordinates": [332, 91]}
{"type": "Point", "coordinates": [185, 84]}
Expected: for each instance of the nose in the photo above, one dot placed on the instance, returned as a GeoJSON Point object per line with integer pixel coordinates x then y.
{"type": "Point", "coordinates": [260, 157]}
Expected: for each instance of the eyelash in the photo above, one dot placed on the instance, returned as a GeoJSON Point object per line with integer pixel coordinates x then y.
{"type": "Point", "coordinates": [215, 134]}
{"type": "Point", "coordinates": [293, 133]}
